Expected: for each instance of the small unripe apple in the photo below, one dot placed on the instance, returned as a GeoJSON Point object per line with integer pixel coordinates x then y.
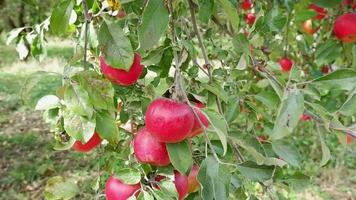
{"type": "Point", "coordinates": [325, 70]}
{"type": "Point", "coordinates": [345, 27]}
{"type": "Point", "coordinates": [308, 27]}
{"type": "Point", "coordinates": [305, 117]}
{"type": "Point", "coordinates": [197, 128]}
{"type": "Point", "coordinates": [181, 183]}
{"type": "Point", "coordinates": [246, 4]}
{"type": "Point", "coordinates": [94, 141]}
{"type": "Point", "coordinates": [115, 189]}
{"type": "Point", "coordinates": [120, 76]}
{"type": "Point", "coordinates": [285, 64]}
{"type": "Point", "coordinates": [250, 18]}
{"type": "Point", "coordinates": [193, 184]}
{"type": "Point", "coordinates": [321, 12]}
{"type": "Point", "coordinates": [150, 151]}
{"type": "Point", "coordinates": [168, 120]}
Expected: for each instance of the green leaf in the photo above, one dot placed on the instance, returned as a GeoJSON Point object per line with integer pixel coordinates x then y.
{"type": "Point", "coordinates": [268, 98]}
{"type": "Point", "coordinates": [78, 127]}
{"type": "Point", "coordinates": [349, 107]}
{"type": "Point", "coordinates": [242, 62]}
{"type": "Point", "coordinates": [147, 196]}
{"type": "Point", "coordinates": [115, 46]}
{"type": "Point", "coordinates": [327, 52]}
{"type": "Point", "coordinates": [231, 13]}
{"type": "Point", "coordinates": [255, 172]}
{"type": "Point", "coordinates": [180, 156]}
{"type": "Point", "coordinates": [48, 102]}
{"type": "Point", "coordinates": [154, 24]}
{"type": "Point", "coordinates": [129, 176]}
{"type": "Point", "coordinates": [217, 90]}
{"type": "Point", "coordinates": [291, 108]}
{"type": "Point", "coordinates": [241, 44]}
{"type": "Point", "coordinates": [219, 125]}
{"type": "Point", "coordinates": [100, 90]}
{"type": "Point", "coordinates": [59, 187]}
{"type": "Point", "coordinates": [327, 3]}
{"type": "Point", "coordinates": [206, 10]}
{"type": "Point", "coordinates": [324, 149]}
{"type": "Point", "coordinates": [106, 126]}
{"type": "Point", "coordinates": [76, 99]}
{"type": "Point", "coordinates": [60, 17]}
{"type": "Point", "coordinates": [344, 79]}
{"type": "Point", "coordinates": [168, 187]}
{"type": "Point", "coordinates": [354, 57]}
{"type": "Point", "coordinates": [215, 180]}
{"type": "Point", "coordinates": [287, 152]}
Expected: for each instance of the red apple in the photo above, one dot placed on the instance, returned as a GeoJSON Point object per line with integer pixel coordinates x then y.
{"type": "Point", "coordinates": [286, 64]}
{"type": "Point", "coordinates": [308, 27]}
{"type": "Point", "coordinates": [94, 141]}
{"type": "Point", "coordinates": [246, 4]}
{"type": "Point", "coordinates": [121, 14]}
{"type": "Point", "coordinates": [305, 117]}
{"type": "Point", "coordinates": [325, 70]}
{"type": "Point", "coordinates": [250, 18]}
{"type": "Point", "coordinates": [262, 139]}
{"type": "Point", "coordinates": [345, 27]}
{"type": "Point", "coordinates": [198, 103]}
{"type": "Point", "coordinates": [321, 12]}
{"type": "Point", "coordinates": [148, 150]}
{"type": "Point", "coordinates": [193, 184]}
{"type": "Point", "coordinates": [169, 121]}
{"type": "Point", "coordinates": [197, 128]}
{"type": "Point", "coordinates": [122, 77]}
{"type": "Point", "coordinates": [349, 139]}
{"type": "Point", "coordinates": [181, 183]}
{"type": "Point", "coordinates": [351, 3]}
{"type": "Point", "coordinates": [117, 190]}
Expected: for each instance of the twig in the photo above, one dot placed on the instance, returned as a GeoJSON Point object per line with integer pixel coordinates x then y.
{"type": "Point", "coordinates": [87, 18]}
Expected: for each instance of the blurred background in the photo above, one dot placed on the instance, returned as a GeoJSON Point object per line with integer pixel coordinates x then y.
{"type": "Point", "coordinates": [27, 158]}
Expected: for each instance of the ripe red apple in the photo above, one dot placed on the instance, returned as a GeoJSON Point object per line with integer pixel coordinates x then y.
{"type": "Point", "coordinates": [286, 64]}
{"type": "Point", "coordinates": [321, 12]}
{"type": "Point", "coordinates": [94, 141]}
{"type": "Point", "coordinates": [197, 128]}
{"type": "Point", "coordinates": [246, 4]}
{"type": "Point", "coordinates": [250, 18]}
{"type": "Point", "coordinates": [305, 117]}
{"type": "Point", "coordinates": [308, 27]}
{"type": "Point", "coordinates": [117, 190]}
{"type": "Point", "coordinates": [121, 14]}
{"type": "Point", "coordinates": [325, 70]}
{"type": "Point", "coordinates": [351, 3]}
{"type": "Point", "coordinates": [349, 139]}
{"type": "Point", "coordinates": [193, 184]}
{"type": "Point", "coordinates": [345, 27]}
{"type": "Point", "coordinates": [169, 121]}
{"type": "Point", "coordinates": [148, 150]}
{"type": "Point", "coordinates": [122, 77]}
{"type": "Point", "coordinates": [181, 183]}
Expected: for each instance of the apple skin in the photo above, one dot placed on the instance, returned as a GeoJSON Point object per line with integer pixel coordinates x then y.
{"type": "Point", "coordinates": [121, 14]}
{"type": "Point", "coordinates": [246, 5]}
{"type": "Point", "coordinates": [120, 76]}
{"type": "Point", "coordinates": [345, 27]}
{"type": "Point", "coordinates": [117, 190]}
{"type": "Point", "coordinates": [197, 128]}
{"type": "Point", "coordinates": [321, 12]}
{"type": "Point", "coordinates": [181, 183]}
{"type": "Point", "coordinates": [169, 121]}
{"type": "Point", "coordinates": [349, 139]}
{"type": "Point", "coordinates": [148, 150]}
{"type": "Point", "coordinates": [305, 117]}
{"type": "Point", "coordinates": [262, 139]}
{"type": "Point", "coordinates": [308, 27]}
{"type": "Point", "coordinates": [286, 64]}
{"type": "Point", "coordinates": [325, 70]}
{"type": "Point", "coordinates": [193, 184]}
{"type": "Point", "coordinates": [250, 18]}
{"type": "Point", "coordinates": [93, 142]}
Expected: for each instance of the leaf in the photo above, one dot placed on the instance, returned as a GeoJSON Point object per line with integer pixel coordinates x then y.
{"type": "Point", "coordinates": [255, 172]}
{"type": "Point", "coordinates": [106, 126]}
{"type": "Point", "coordinates": [327, 52]}
{"type": "Point", "coordinates": [291, 108]}
{"type": "Point", "coordinates": [180, 156]}
{"type": "Point", "coordinates": [129, 176]}
{"type": "Point", "coordinates": [327, 3]}
{"type": "Point", "coordinates": [78, 127]}
{"type": "Point", "coordinates": [286, 151]}
{"type": "Point", "coordinates": [268, 98]}
{"type": "Point", "coordinates": [59, 187]}
{"type": "Point", "coordinates": [231, 13]}
{"type": "Point", "coordinates": [324, 149]}
{"type": "Point", "coordinates": [76, 99]}
{"type": "Point", "coordinates": [147, 196]}
{"type": "Point", "coordinates": [241, 44]}
{"type": "Point", "coordinates": [344, 79]}
{"type": "Point", "coordinates": [206, 10]}
{"type": "Point", "coordinates": [168, 187]}
{"type": "Point", "coordinates": [219, 125]}
{"type": "Point", "coordinates": [13, 34]}
{"type": "Point", "coordinates": [154, 24]}
{"type": "Point", "coordinates": [349, 107]}
{"type": "Point", "coordinates": [217, 90]}
{"type": "Point", "coordinates": [115, 46]}
{"type": "Point", "coordinates": [22, 49]}
{"type": "Point", "coordinates": [215, 180]}
{"type": "Point", "coordinates": [60, 17]}
{"type": "Point", "coordinates": [242, 63]}
{"type": "Point", "coordinates": [48, 102]}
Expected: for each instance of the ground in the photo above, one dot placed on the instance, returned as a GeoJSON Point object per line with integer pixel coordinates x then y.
{"type": "Point", "coordinates": [27, 158]}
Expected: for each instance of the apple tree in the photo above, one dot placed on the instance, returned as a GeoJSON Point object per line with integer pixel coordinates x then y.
{"type": "Point", "coordinates": [199, 99]}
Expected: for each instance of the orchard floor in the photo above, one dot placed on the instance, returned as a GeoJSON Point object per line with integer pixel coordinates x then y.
{"type": "Point", "coordinates": [27, 159]}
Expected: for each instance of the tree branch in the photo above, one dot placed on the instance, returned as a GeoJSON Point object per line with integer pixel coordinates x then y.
{"type": "Point", "coordinates": [87, 18]}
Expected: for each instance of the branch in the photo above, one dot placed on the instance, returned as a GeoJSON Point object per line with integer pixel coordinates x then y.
{"type": "Point", "coordinates": [87, 18]}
